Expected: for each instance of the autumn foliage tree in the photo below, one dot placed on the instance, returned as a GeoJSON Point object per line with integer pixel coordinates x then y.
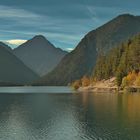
{"type": "Point", "coordinates": [132, 79]}
{"type": "Point", "coordinates": [85, 81]}
{"type": "Point", "coordinates": [137, 82]}
{"type": "Point", "coordinates": [76, 84]}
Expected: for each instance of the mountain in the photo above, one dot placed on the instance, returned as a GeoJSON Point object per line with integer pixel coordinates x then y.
{"type": "Point", "coordinates": [5, 46]}
{"type": "Point", "coordinates": [120, 60]}
{"type": "Point", "coordinates": [12, 70]}
{"type": "Point", "coordinates": [39, 54]}
{"type": "Point", "coordinates": [81, 61]}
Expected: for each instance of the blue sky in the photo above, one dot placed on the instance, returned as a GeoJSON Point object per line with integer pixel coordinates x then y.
{"type": "Point", "coordinates": [62, 22]}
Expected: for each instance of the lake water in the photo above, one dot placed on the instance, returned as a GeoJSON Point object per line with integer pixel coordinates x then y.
{"type": "Point", "coordinates": [31, 113]}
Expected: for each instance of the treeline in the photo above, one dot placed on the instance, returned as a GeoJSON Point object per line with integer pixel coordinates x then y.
{"type": "Point", "coordinates": [122, 62]}
{"type": "Point", "coordinates": [119, 61]}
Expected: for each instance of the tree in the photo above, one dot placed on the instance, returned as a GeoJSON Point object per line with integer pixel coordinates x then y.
{"type": "Point", "coordinates": [119, 77]}
{"type": "Point", "coordinates": [124, 82]}
{"type": "Point", "coordinates": [85, 81]}
{"type": "Point", "coordinates": [76, 84]}
{"type": "Point", "coordinates": [138, 80]}
{"type": "Point", "coordinates": [131, 77]}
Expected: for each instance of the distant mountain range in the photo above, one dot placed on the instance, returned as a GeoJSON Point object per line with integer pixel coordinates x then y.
{"type": "Point", "coordinates": [39, 58]}
{"type": "Point", "coordinates": [39, 55]}
{"type": "Point", "coordinates": [12, 70]}
{"type": "Point", "coordinates": [29, 61]}
{"type": "Point", "coordinates": [81, 61]}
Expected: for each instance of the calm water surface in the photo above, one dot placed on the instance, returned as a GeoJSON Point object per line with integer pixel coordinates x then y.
{"type": "Point", "coordinates": [66, 116]}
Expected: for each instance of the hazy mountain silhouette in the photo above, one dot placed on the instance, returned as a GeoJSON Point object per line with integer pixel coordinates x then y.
{"type": "Point", "coordinates": [39, 54]}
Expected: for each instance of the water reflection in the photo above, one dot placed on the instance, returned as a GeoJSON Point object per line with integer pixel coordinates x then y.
{"type": "Point", "coordinates": [85, 116]}
{"type": "Point", "coordinates": [113, 115]}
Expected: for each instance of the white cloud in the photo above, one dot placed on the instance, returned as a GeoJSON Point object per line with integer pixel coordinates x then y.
{"type": "Point", "coordinates": [11, 12]}
{"type": "Point", "coordinates": [15, 41]}
{"type": "Point", "coordinates": [69, 49]}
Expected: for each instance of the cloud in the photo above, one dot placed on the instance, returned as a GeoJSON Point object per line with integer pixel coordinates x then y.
{"type": "Point", "coordinates": [11, 12]}
{"type": "Point", "coordinates": [16, 41]}
{"type": "Point", "coordinates": [69, 49]}
{"type": "Point", "coordinates": [64, 29]}
{"type": "Point", "coordinates": [64, 23]}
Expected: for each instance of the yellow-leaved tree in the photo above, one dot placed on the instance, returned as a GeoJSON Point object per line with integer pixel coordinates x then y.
{"type": "Point", "coordinates": [138, 80]}
{"type": "Point", "coordinates": [85, 81]}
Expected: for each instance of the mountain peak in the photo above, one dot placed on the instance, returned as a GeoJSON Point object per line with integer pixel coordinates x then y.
{"type": "Point", "coordinates": [39, 37]}
{"type": "Point", "coordinates": [126, 16]}
{"type": "Point", "coordinates": [39, 54]}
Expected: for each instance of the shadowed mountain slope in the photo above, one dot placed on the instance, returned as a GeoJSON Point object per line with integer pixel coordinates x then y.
{"type": "Point", "coordinates": [12, 70]}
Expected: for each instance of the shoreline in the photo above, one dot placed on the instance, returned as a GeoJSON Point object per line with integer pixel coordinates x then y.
{"type": "Point", "coordinates": [108, 89]}
{"type": "Point", "coordinates": [109, 85]}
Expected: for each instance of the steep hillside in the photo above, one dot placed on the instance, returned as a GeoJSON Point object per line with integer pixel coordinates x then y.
{"type": "Point", "coordinates": [81, 61]}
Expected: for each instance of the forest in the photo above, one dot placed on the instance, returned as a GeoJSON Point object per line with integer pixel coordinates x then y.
{"type": "Point", "coordinates": [122, 62]}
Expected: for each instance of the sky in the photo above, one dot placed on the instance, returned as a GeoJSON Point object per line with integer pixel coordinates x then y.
{"type": "Point", "coordinates": [63, 22]}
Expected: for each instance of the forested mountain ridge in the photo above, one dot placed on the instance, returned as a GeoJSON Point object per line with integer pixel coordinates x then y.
{"type": "Point", "coordinates": [120, 67]}
{"type": "Point", "coordinates": [82, 59]}
{"type": "Point", "coordinates": [119, 61]}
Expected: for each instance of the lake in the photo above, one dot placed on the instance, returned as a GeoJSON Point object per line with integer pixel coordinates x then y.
{"type": "Point", "coordinates": [55, 113]}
